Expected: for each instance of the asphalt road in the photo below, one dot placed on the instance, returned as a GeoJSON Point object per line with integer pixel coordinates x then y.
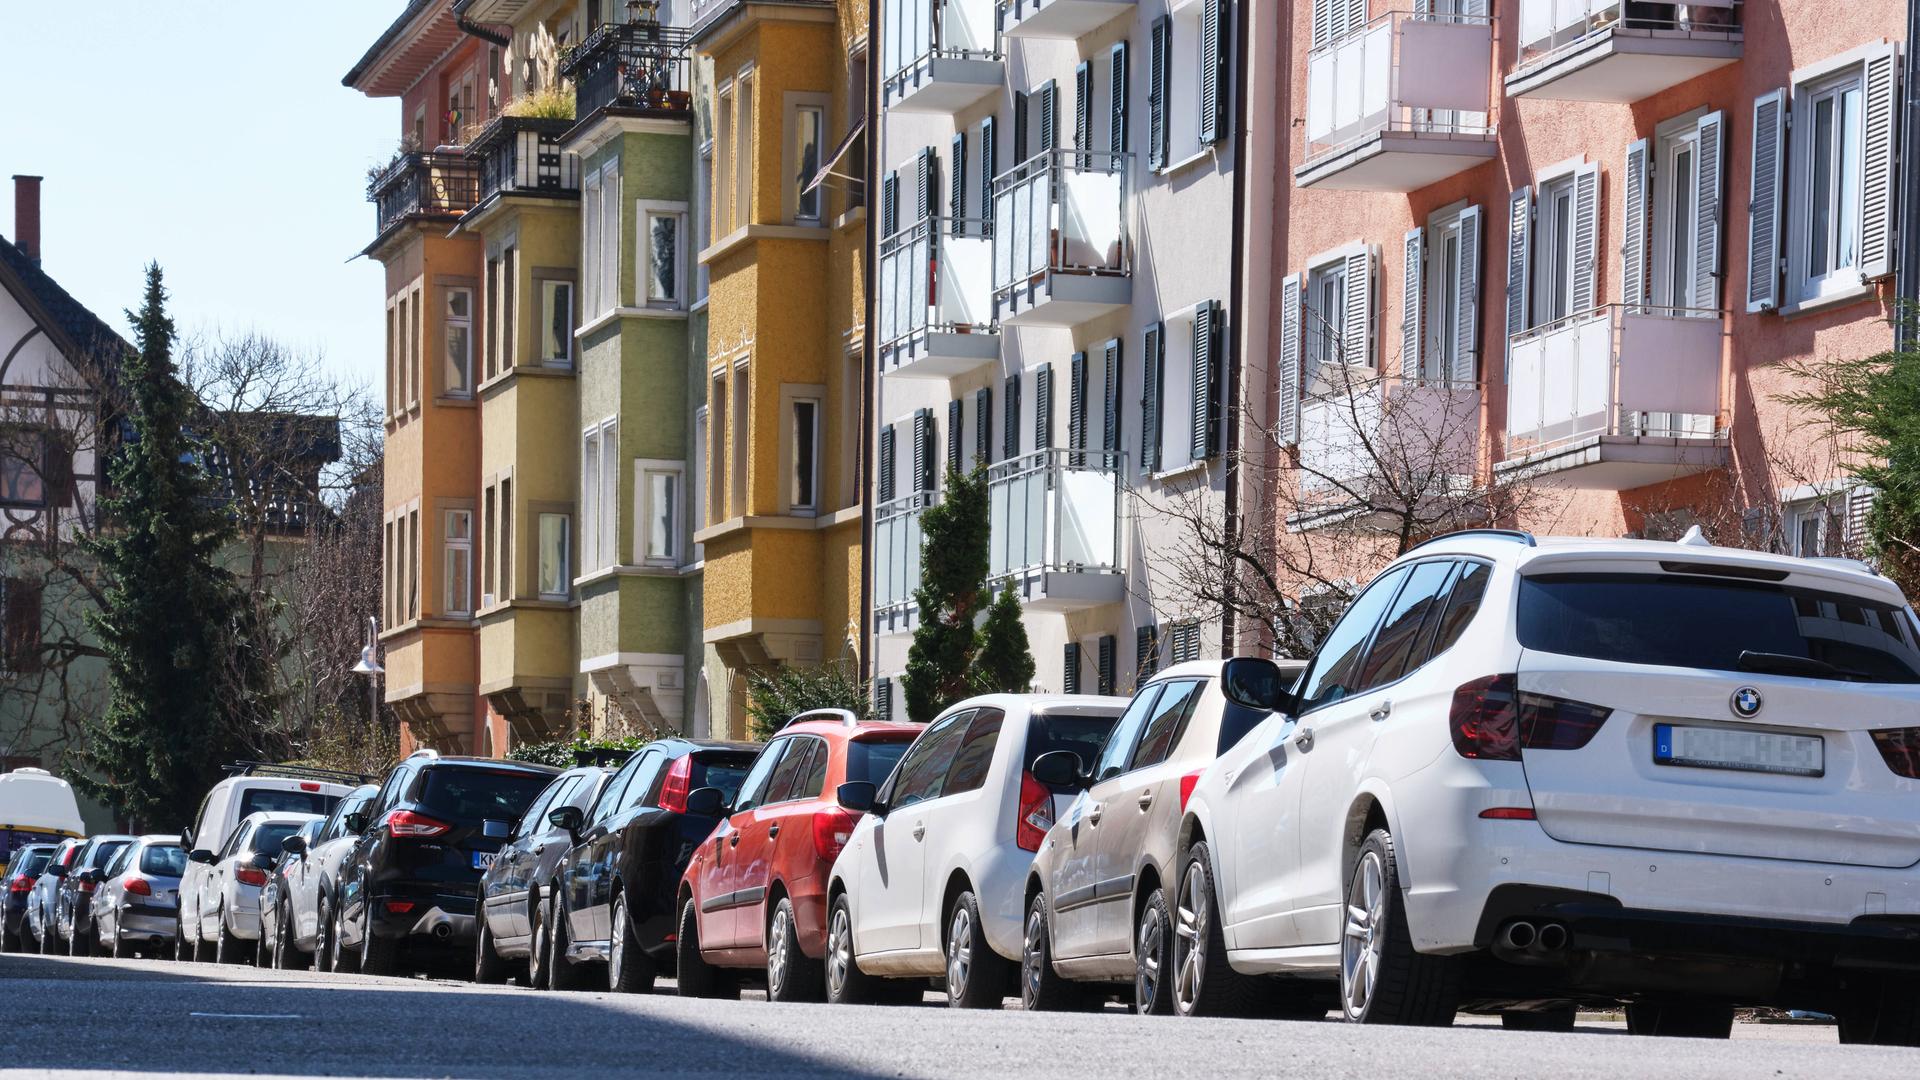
{"type": "Point", "coordinates": [61, 1015]}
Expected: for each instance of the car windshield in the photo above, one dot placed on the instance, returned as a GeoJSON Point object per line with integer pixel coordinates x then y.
{"type": "Point", "coordinates": [264, 801]}
{"type": "Point", "coordinates": [31, 862]}
{"type": "Point", "coordinates": [163, 861]}
{"type": "Point", "coordinates": [726, 773]}
{"type": "Point", "coordinates": [471, 795]}
{"type": "Point", "coordinates": [1719, 625]}
{"type": "Point", "coordinates": [266, 838]}
{"type": "Point", "coordinates": [1083, 734]}
{"type": "Point", "coordinates": [872, 760]}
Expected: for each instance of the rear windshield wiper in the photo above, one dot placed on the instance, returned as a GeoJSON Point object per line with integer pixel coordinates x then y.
{"type": "Point", "coordinates": [1773, 663]}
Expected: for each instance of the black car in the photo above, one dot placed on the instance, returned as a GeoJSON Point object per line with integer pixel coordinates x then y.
{"type": "Point", "coordinates": [411, 875]}
{"type": "Point", "coordinates": [21, 873]}
{"type": "Point", "coordinates": [532, 853]}
{"type": "Point", "coordinates": [73, 898]}
{"type": "Point", "coordinates": [611, 900]}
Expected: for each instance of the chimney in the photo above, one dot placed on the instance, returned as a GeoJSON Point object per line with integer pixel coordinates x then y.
{"type": "Point", "coordinates": [26, 215]}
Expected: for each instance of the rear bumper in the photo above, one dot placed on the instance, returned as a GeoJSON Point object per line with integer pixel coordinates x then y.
{"type": "Point", "coordinates": [999, 881]}
{"type": "Point", "coordinates": [440, 917]}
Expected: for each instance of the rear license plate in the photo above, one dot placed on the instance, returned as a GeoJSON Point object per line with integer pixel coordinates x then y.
{"type": "Point", "coordinates": [1745, 751]}
{"type": "Point", "coordinates": [483, 859]}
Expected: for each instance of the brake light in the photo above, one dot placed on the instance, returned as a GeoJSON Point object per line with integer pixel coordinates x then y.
{"type": "Point", "coordinates": [1036, 813]}
{"type": "Point", "coordinates": [308, 785]}
{"type": "Point", "coordinates": [1491, 720]}
{"type": "Point", "coordinates": [408, 823]}
{"type": "Point", "coordinates": [137, 886]}
{"type": "Point", "coordinates": [831, 831]}
{"type": "Point", "coordinates": [247, 875]}
{"type": "Point", "coordinates": [1901, 748]}
{"type": "Point", "coordinates": [678, 784]}
{"type": "Point", "coordinates": [1186, 788]}
{"type": "Point", "coordinates": [23, 883]}
{"type": "Point", "coordinates": [86, 886]}
{"type": "Point", "coordinates": [1509, 813]}
{"type": "Point", "coordinates": [399, 907]}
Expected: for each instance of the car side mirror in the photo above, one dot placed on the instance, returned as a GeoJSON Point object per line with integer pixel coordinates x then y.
{"type": "Point", "coordinates": [495, 829]}
{"type": "Point", "coordinates": [88, 876]}
{"type": "Point", "coordinates": [1256, 683]}
{"type": "Point", "coordinates": [356, 823]}
{"type": "Point", "coordinates": [568, 818]}
{"type": "Point", "coordinates": [57, 870]}
{"type": "Point", "coordinates": [1059, 769]}
{"type": "Point", "coordinates": [263, 860]}
{"type": "Point", "coordinates": [294, 845]}
{"type": "Point", "coordinates": [706, 802]}
{"type": "Point", "coordinates": [860, 797]}
{"type": "Point", "coordinates": [200, 855]}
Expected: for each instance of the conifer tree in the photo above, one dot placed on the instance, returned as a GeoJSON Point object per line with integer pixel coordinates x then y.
{"type": "Point", "coordinates": [1005, 663]}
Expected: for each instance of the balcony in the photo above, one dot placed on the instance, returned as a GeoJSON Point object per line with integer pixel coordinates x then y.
{"type": "Point", "coordinates": [1061, 251]}
{"type": "Point", "coordinates": [1587, 50]}
{"type": "Point", "coordinates": [896, 561]}
{"type": "Point", "coordinates": [1058, 18]}
{"type": "Point", "coordinates": [1056, 527]}
{"type": "Point", "coordinates": [423, 186]}
{"type": "Point", "coordinates": [936, 303]}
{"type": "Point", "coordinates": [1399, 103]}
{"type": "Point", "coordinates": [939, 56]}
{"type": "Point", "coordinates": [636, 68]}
{"type": "Point", "coordinates": [1373, 449]}
{"type": "Point", "coordinates": [521, 155]}
{"type": "Point", "coordinates": [1617, 398]}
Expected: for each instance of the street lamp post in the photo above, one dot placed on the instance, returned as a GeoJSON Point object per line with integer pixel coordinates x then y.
{"type": "Point", "coordinates": [369, 666]}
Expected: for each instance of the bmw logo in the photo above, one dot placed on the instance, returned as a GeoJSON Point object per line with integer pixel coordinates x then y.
{"type": "Point", "coordinates": [1746, 702]}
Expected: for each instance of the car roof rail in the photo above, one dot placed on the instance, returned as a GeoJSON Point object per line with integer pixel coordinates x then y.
{"type": "Point", "coordinates": [1519, 536]}
{"type": "Point", "coordinates": [425, 751]}
{"type": "Point", "coordinates": [271, 770]}
{"type": "Point", "coordinates": [844, 716]}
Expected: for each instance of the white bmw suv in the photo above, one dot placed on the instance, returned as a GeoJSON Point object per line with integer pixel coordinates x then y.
{"type": "Point", "coordinates": [1523, 775]}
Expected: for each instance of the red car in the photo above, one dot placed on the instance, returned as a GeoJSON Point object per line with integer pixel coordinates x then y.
{"type": "Point", "coordinates": [755, 894]}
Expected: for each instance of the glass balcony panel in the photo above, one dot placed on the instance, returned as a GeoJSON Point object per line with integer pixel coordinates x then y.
{"type": "Point", "coordinates": [1607, 50]}
{"type": "Point", "coordinates": [1061, 250]}
{"type": "Point", "coordinates": [1056, 527]}
{"type": "Point", "coordinates": [939, 55]}
{"type": "Point", "coordinates": [936, 305]}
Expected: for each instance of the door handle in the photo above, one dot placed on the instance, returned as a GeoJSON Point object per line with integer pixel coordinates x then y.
{"type": "Point", "coordinates": [1382, 711]}
{"type": "Point", "coordinates": [1146, 800]}
{"type": "Point", "coordinates": [1093, 813]}
{"type": "Point", "coordinates": [1304, 740]}
{"type": "Point", "coordinates": [733, 839]}
{"type": "Point", "coordinates": [773, 831]}
{"type": "Point", "coordinates": [919, 830]}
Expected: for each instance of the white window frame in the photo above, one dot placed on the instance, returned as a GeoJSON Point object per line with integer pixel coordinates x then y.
{"type": "Point", "coordinates": [720, 152]}
{"type": "Point", "coordinates": [1322, 329]}
{"type": "Point", "coordinates": [1803, 285]}
{"type": "Point", "coordinates": [1673, 138]}
{"type": "Point", "coordinates": [599, 495]}
{"type": "Point", "coordinates": [600, 243]}
{"type": "Point", "coordinates": [702, 220]}
{"type": "Point", "coordinates": [1176, 390]}
{"type": "Point", "coordinates": [646, 212]}
{"type": "Point", "coordinates": [1183, 83]}
{"type": "Point", "coordinates": [646, 509]}
{"type": "Point", "coordinates": [792, 397]}
{"type": "Point", "coordinates": [796, 104]}
{"type": "Point", "coordinates": [1547, 236]}
{"type": "Point", "coordinates": [453, 545]}
{"type": "Point", "coordinates": [546, 319]}
{"type": "Point", "coordinates": [696, 501]}
{"type": "Point", "coordinates": [566, 553]}
{"type": "Point", "coordinates": [1441, 281]}
{"type": "Point", "coordinates": [740, 434]}
{"type": "Point", "coordinates": [743, 131]}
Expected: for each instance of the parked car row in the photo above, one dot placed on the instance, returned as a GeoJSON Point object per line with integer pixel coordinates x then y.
{"type": "Point", "coordinates": [1519, 777]}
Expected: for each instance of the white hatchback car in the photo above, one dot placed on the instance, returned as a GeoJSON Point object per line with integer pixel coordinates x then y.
{"type": "Point", "coordinates": [1524, 775]}
{"type": "Point", "coordinates": [930, 883]}
{"type": "Point", "coordinates": [228, 897]}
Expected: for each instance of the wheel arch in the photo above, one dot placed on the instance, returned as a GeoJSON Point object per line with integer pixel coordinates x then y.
{"type": "Point", "coordinates": [957, 882]}
{"type": "Point", "coordinates": [1371, 808]}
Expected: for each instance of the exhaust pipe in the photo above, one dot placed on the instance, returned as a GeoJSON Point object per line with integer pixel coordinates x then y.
{"type": "Point", "coordinates": [1519, 935]}
{"type": "Point", "coordinates": [443, 930]}
{"type": "Point", "coordinates": [1551, 938]}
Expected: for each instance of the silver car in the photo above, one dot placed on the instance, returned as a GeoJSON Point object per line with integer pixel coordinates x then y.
{"type": "Point", "coordinates": [39, 927]}
{"type": "Point", "coordinates": [73, 897]}
{"type": "Point", "coordinates": [138, 896]}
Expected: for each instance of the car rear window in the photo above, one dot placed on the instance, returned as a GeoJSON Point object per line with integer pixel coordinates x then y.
{"type": "Point", "coordinates": [266, 839]}
{"type": "Point", "coordinates": [1081, 733]}
{"type": "Point", "coordinates": [872, 760]}
{"type": "Point", "coordinates": [103, 853]}
{"type": "Point", "coordinates": [470, 796]}
{"type": "Point", "coordinates": [167, 861]}
{"type": "Point", "coordinates": [32, 862]}
{"type": "Point", "coordinates": [1709, 623]}
{"type": "Point", "coordinates": [267, 801]}
{"type": "Point", "coordinates": [724, 772]}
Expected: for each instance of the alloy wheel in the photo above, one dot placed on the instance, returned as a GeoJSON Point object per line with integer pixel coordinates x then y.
{"type": "Point", "coordinates": [1146, 980]}
{"type": "Point", "coordinates": [1190, 941]}
{"type": "Point", "coordinates": [1033, 960]}
{"type": "Point", "coordinates": [777, 953]}
{"type": "Point", "coordinates": [617, 953]}
{"type": "Point", "coordinates": [959, 952]}
{"type": "Point", "coordinates": [839, 951]}
{"type": "Point", "coordinates": [537, 957]}
{"type": "Point", "coordinates": [1364, 937]}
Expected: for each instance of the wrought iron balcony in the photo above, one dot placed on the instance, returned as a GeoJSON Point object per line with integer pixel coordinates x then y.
{"type": "Point", "coordinates": [522, 155]}
{"type": "Point", "coordinates": [1614, 50]}
{"type": "Point", "coordinates": [1057, 18]}
{"type": "Point", "coordinates": [1061, 250]}
{"type": "Point", "coordinates": [423, 185]}
{"type": "Point", "coordinates": [1056, 526]}
{"type": "Point", "coordinates": [633, 68]}
{"type": "Point", "coordinates": [939, 56]}
{"type": "Point", "coordinates": [896, 561]}
{"type": "Point", "coordinates": [936, 299]}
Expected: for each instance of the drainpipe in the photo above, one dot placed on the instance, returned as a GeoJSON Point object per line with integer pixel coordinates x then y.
{"type": "Point", "coordinates": [868, 351]}
{"type": "Point", "coordinates": [1907, 274]}
{"type": "Point", "coordinates": [1242, 303]}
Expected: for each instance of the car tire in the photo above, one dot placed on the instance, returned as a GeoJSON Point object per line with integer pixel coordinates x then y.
{"type": "Point", "coordinates": [562, 974]}
{"type": "Point", "coordinates": [344, 962]}
{"type": "Point", "coordinates": [791, 974]}
{"type": "Point", "coordinates": [378, 955]}
{"type": "Point", "coordinates": [229, 949]}
{"type": "Point", "coordinates": [1204, 984]}
{"type": "Point", "coordinates": [182, 946]}
{"type": "Point", "coordinates": [1383, 980]}
{"type": "Point", "coordinates": [1680, 1019]}
{"type": "Point", "coordinates": [1152, 956]}
{"type": "Point", "coordinates": [1043, 989]}
{"type": "Point", "coordinates": [1560, 1019]}
{"type": "Point", "coordinates": [9, 942]}
{"type": "Point", "coordinates": [846, 983]}
{"type": "Point", "coordinates": [537, 945]}
{"type": "Point", "coordinates": [977, 977]}
{"type": "Point", "coordinates": [1888, 1017]}
{"type": "Point", "coordinates": [697, 978]}
{"type": "Point", "coordinates": [488, 968]}
{"type": "Point", "coordinates": [629, 969]}
{"type": "Point", "coordinates": [116, 950]}
{"type": "Point", "coordinates": [322, 936]}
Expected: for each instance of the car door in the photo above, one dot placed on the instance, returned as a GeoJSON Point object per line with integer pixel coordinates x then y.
{"type": "Point", "coordinates": [1131, 800]}
{"type": "Point", "coordinates": [590, 885]}
{"type": "Point", "coordinates": [720, 924]}
{"type": "Point", "coordinates": [1076, 890]}
{"type": "Point", "coordinates": [893, 866]}
{"type": "Point", "coordinates": [503, 889]}
{"type": "Point", "coordinates": [760, 837]}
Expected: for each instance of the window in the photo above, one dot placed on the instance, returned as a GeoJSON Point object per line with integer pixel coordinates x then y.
{"type": "Point", "coordinates": [923, 771]}
{"type": "Point", "coordinates": [490, 536]}
{"type": "Point", "coordinates": [1554, 284]}
{"type": "Point", "coordinates": [600, 245]}
{"type": "Point", "coordinates": [506, 539]}
{"type": "Point", "coordinates": [698, 497]}
{"type": "Point", "coordinates": [393, 358]}
{"type": "Point", "coordinates": [556, 576]}
{"type": "Point", "coordinates": [722, 190]}
{"type": "Point", "coordinates": [703, 210]}
{"type": "Point", "coordinates": [599, 501]}
{"type": "Point", "coordinates": [759, 782]}
{"type": "Point", "coordinates": [662, 227]}
{"type": "Point", "coordinates": [1168, 720]}
{"type": "Point", "coordinates": [1397, 648]}
{"type": "Point", "coordinates": [1441, 331]}
{"type": "Point", "coordinates": [743, 151]}
{"type": "Point", "coordinates": [790, 776]}
{"type": "Point", "coordinates": [717, 449]}
{"type": "Point", "coordinates": [1463, 603]}
{"type": "Point", "coordinates": [490, 344]}
{"type": "Point", "coordinates": [413, 564]}
{"type": "Point", "coordinates": [459, 562]}
{"type": "Point", "coordinates": [556, 322]}
{"type": "Point", "coordinates": [804, 433]}
{"type": "Point", "coordinates": [457, 332]}
{"type": "Point", "coordinates": [742, 421]}
{"type": "Point", "coordinates": [416, 347]}
{"type": "Point", "coordinates": [609, 800]}
{"type": "Point", "coordinates": [657, 498]}
{"type": "Point", "coordinates": [1126, 733]}
{"type": "Point", "coordinates": [29, 458]}
{"type": "Point", "coordinates": [1335, 671]}
{"type": "Point", "coordinates": [1337, 309]}
{"type": "Point", "coordinates": [808, 127]}
{"type": "Point", "coordinates": [1831, 171]}
{"type": "Point", "coordinates": [1831, 525]}
{"type": "Point", "coordinates": [975, 754]}
{"type": "Point", "coordinates": [20, 606]}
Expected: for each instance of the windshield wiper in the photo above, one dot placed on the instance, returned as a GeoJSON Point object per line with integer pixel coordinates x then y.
{"type": "Point", "coordinates": [1773, 663]}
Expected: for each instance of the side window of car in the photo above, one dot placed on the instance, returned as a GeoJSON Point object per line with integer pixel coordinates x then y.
{"type": "Point", "coordinates": [1169, 718]}
{"type": "Point", "coordinates": [814, 783]}
{"type": "Point", "coordinates": [1401, 632]}
{"type": "Point", "coordinates": [200, 837]}
{"type": "Point", "coordinates": [237, 840]}
{"type": "Point", "coordinates": [616, 788]}
{"type": "Point", "coordinates": [1336, 667]}
{"type": "Point", "coordinates": [535, 819]}
{"type": "Point", "coordinates": [1463, 603]}
{"type": "Point", "coordinates": [1126, 733]}
{"type": "Point", "coordinates": [641, 786]}
{"type": "Point", "coordinates": [118, 862]}
{"type": "Point", "coordinates": [754, 789]}
{"type": "Point", "coordinates": [390, 792]}
{"type": "Point", "coordinates": [923, 771]}
{"type": "Point", "coordinates": [975, 754]}
{"type": "Point", "coordinates": [790, 777]}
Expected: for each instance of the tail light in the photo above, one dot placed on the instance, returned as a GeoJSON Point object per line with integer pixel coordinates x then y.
{"type": "Point", "coordinates": [1901, 748]}
{"type": "Point", "coordinates": [831, 831]}
{"type": "Point", "coordinates": [1186, 788]}
{"type": "Point", "coordinates": [247, 875]}
{"type": "Point", "coordinates": [137, 886]}
{"type": "Point", "coordinates": [85, 886]}
{"type": "Point", "coordinates": [309, 786]}
{"type": "Point", "coordinates": [399, 907]}
{"type": "Point", "coordinates": [1036, 813]}
{"type": "Point", "coordinates": [1509, 813]}
{"type": "Point", "coordinates": [408, 823]}
{"type": "Point", "coordinates": [678, 784]}
{"type": "Point", "coordinates": [1492, 720]}
{"type": "Point", "coordinates": [23, 883]}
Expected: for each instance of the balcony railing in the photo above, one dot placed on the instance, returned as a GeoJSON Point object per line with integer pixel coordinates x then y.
{"type": "Point", "coordinates": [1060, 213]}
{"type": "Point", "coordinates": [1417, 87]}
{"type": "Point", "coordinates": [522, 154]}
{"type": "Point", "coordinates": [424, 185]}
{"type": "Point", "coordinates": [1414, 432]}
{"type": "Point", "coordinates": [1055, 512]}
{"type": "Point", "coordinates": [935, 279]}
{"type": "Point", "coordinates": [1618, 51]}
{"type": "Point", "coordinates": [938, 55]}
{"type": "Point", "coordinates": [640, 67]}
{"type": "Point", "coordinates": [896, 556]}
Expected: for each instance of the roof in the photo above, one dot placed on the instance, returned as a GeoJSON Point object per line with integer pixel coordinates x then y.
{"type": "Point", "coordinates": [78, 332]}
{"type": "Point", "coordinates": [425, 31]}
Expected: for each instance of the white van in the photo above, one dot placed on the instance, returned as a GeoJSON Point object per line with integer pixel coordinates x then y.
{"type": "Point", "coordinates": [36, 807]}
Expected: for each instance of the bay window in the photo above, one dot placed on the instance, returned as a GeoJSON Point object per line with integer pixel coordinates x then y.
{"type": "Point", "coordinates": [555, 562]}
{"type": "Point", "coordinates": [458, 560]}
{"type": "Point", "coordinates": [457, 334]}
{"type": "Point", "coordinates": [658, 501]}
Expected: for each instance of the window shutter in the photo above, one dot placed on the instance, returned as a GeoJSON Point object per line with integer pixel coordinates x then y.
{"type": "Point", "coordinates": [890, 204]}
{"type": "Point", "coordinates": [1144, 660]}
{"type": "Point", "coordinates": [1070, 669]}
{"type": "Point", "coordinates": [929, 170]}
{"type": "Point", "coordinates": [1077, 408]}
{"type": "Point", "coordinates": [1466, 351]}
{"type": "Point", "coordinates": [989, 161]}
{"type": "Point", "coordinates": [923, 450]}
{"type": "Point", "coordinates": [1355, 18]}
{"type": "Point", "coordinates": [1117, 95]}
{"type": "Point", "coordinates": [1204, 429]}
{"type": "Point", "coordinates": [1586, 235]}
{"type": "Point", "coordinates": [1707, 223]}
{"type": "Point", "coordinates": [1152, 386]}
{"type": "Point", "coordinates": [1287, 387]}
{"type": "Point", "coordinates": [983, 425]}
{"type": "Point", "coordinates": [1010, 422]}
{"type": "Point", "coordinates": [886, 464]}
{"type": "Point", "coordinates": [58, 468]}
{"type": "Point", "coordinates": [1049, 116]}
{"type": "Point", "coordinates": [1764, 204]}
{"type": "Point", "coordinates": [1107, 645]}
{"type": "Point", "coordinates": [955, 411]}
{"type": "Point", "coordinates": [1043, 408]}
{"type": "Point", "coordinates": [1356, 337]}
{"type": "Point", "coordinates": [1214, 37]}
{"type": "Point", "coordinates": [1857, 536]}
{"type": "Point", "coordinates": [1083, 110]}
{"type": "Point", "coordinates": [1633, 244]}
{"type": "Point", "coordinates": [1412, 298]}
{"type": "Point", "coordinates": [1878, 195]}
{"type": "Point", "coordinates": [1323, 20]}
{"type": "Point", "coordinates": [1019, 128]}
{"type": "Point", "coordinates": [883, 698]}
{"type": "Point", "coordinates": [1519, 222]}
{"type": "Point", "coordinates": [1157, 92]}
{"type": "Point", "coordinates": [1110, 434]}
{"type": "Point", "coordinates": [957, 198]}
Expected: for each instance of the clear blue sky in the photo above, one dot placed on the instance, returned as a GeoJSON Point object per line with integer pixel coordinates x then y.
{"type": "Point", "coordinates": [213, 136]}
